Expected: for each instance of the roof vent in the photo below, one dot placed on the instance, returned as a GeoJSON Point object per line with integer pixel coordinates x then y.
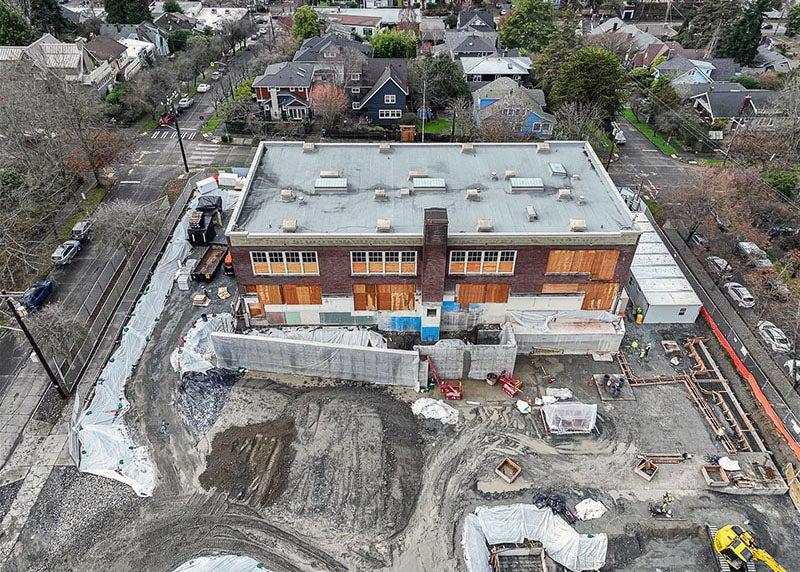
{"type": "Point", "coordinates": [575, 177]}
{"type": "Point", "coordinates": [329, 174]}
{"type": "Point", "coordinates": [429, 184]}
{"type": "Point", "coordinates": [385, 147]}
{"type": "Point", "coordinates": [577, 224]}
{"type": "Point", "coordinates": [289, 225]}
{"type": "Point", "coordinates": [526, 184]}
{"type": "Point", "coordinates": [417, 174]}
{"type": "Point", "coordinates": [485, 225]}
{"type": "Point", "coordinates": [473, 195]}
{"type": "Point", "coordinates": [405, 192]}
{"type": "Point", "coordinates": [531, 212]}
{"type": "Point", "coordinates": [287, 195]}
{"type": "Point", "coordinates": [564, 194]}
{"type": "Point", "coordinates": [494, 175]}
{"type": "Point", "coordinates": [510, 175]}
{"type": "Point", "coordinates": [383, 225]}
{"type": "Point", "coordinates": [308, 147]}
{"type": "Point", "coordinates": [330, 184]}
{"type": "Point", "coordinates": [467, 148]}
{"type": "Point", "coordinates": [581, 200]}
{"type": "Point", "coordinates": [380, 194]}
{"type": "Point", "coordinates": [557, 169]}
{"type": "Point", "coordinates": [543, 147]}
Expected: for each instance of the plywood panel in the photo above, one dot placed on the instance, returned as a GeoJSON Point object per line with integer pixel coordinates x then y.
{"type": "Point", "coordinates": [599, 296]}
{"type": "Point", "coordinates": [301, 294]}
{"type": "Point", "coordinates": [256, 311]}
{"type": "Point", "coordinates": [467, 294]}
{"type": "Point", "coordinates": [600, 264]}
{"type": "Point", "coordinates": [604, 264]}
{"type": "Point", "coordinates": [269, 294]}
{"type": "Point", "coordinates": [561, 288]}
{"type": "Point", "coordinates": [496, 293]}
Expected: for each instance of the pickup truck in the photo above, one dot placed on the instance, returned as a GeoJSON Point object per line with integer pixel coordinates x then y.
{"type": "Point", "coordinates": [209, 262]}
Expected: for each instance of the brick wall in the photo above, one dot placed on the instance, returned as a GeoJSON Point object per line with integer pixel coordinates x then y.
{"type": "Point", "coordinates": [434, 254]}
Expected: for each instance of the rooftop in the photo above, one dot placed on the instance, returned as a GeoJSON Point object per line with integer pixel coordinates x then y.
{"type": "Point", "coordinates": [496, 65]}
{"type": "Point", "coordinates": [350, 207]}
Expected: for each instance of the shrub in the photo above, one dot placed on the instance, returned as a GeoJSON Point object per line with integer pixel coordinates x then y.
{"type": "Point", "coordinates": [783, 181]}
{"type": "Point", "coordinates": [408, 118]}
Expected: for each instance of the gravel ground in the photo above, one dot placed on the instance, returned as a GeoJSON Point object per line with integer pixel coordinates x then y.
{"type": "Point", "coordinates": [7, 495]}
{"type": "Point", "coordinates": [50, 407]}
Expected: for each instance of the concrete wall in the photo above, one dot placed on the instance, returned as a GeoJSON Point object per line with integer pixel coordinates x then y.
{"type": "Point", "coordinates": [270, 355]}
{"type": "Point", "coordinates": [472, 361]}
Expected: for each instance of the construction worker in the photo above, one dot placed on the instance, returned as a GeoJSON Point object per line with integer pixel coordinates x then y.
{"type": "Point", "coordinates": [642, 354]}
{"type": "Point", "coordinates": [647, 349]}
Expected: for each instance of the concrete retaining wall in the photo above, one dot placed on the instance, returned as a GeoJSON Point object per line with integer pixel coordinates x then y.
{"type": "Point", "coordinates": [473, 362]}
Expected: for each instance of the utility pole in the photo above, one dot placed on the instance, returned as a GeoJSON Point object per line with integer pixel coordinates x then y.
{"type": "Point", "coordinates": [53, 379]}
{"type": "Point", "coordinates": [610, 152]}
{"type": "Point", "coordinates": [180, 140]}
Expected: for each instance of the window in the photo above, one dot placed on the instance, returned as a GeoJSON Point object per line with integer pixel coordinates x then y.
{"type": "Point", "coordinates": [482, 261]}
{"type": "Point", "coordinates": [355, 90]}
{"type": "Point", "coordinates": [431, 312]}
{"type": "Point", "coordinates": [682, 312]}
{"type": "Point", "coordinates": [475, 78]}
{"type": "Point", "coordinates": [390, 98]}
{"type": "Point", "coordinates": [292, 90]}
{"type": "Point", "coordinates": [277, 262]}
{"type": "Point", "coordinates": [389, 114]}
{"type": "Point", "coordinates": [537, 127]}
{"type": "Point", "coordinates": [356, 105]}
{"type": "Point", "coordinates": [367, 32]}
{"type": "Point", "coordinates": [355, 76]}
{"type": "Point", "coordinates": [380, 262]}
{"type": "Point", "coordinates": [296, 113]}
{"type": "Point", "coordinates": [329, 54]}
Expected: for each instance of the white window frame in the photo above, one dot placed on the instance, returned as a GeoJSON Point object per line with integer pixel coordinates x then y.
{"type": "Point", "coordinates": [264, 258]}
{"type": "Point", "coordinates": [355, 76]}
{"type": "Point", "coordinates": [389, 114]}
{"type": "Point", "coordinates": [296, 113]}
{"type": "Point", "coordinates": [356, 105]}
{"type": "Point", "coordinates": [292, 90]}
{"type": "Point", "coordinates": [355, 90]}
{"type": "Point", "coordinates": [467, 254]}
{"type": "Point", "coordinates": [372, 256]}
{"type": "Point", "coordinates": [390, 99]}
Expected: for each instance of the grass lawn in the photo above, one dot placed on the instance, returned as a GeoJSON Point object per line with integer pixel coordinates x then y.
{"type": "Point", "coordinates": [711, 162]}
{"type": "Point", "coordinates": [656, 210]}
{"type": "Point", "coordinates": [436, 127]}
{"type": "Point", "coordinates": [148, 124]}
{"type": "Point", "coordinates": [93, 199]}
{"type": "Point", "coordinates": [649, 132]}
{"type": "Point", "coordinates": [212, 123]}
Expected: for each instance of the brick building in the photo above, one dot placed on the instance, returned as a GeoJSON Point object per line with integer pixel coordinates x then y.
{"type": "Point", "coordinates": [428, 237]}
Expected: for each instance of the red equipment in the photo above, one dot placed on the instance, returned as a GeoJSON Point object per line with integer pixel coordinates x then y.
{"type": "Point", "coordinates": [450, 388]}
{"type": "Point", "coordinates": [510, 384]}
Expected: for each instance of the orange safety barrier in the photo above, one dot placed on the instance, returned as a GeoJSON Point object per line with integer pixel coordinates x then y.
{"type": "Point", "coordinates": [757, 392]}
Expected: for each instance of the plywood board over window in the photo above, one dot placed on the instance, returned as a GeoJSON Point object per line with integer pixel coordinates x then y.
{"type": "Point", "coordinates": [599, 296]}
{"type": "Point", "coordinates": [390, 297]}
{"type": "Point", "coordinates": [269, 295]}
{"type": "Point", "coordinates": [467, 294]}
{"type": "Point", "coordinates": [599, 264]}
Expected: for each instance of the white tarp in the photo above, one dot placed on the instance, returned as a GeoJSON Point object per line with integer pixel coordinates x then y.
{"type": "Point", "coordinates": [106, 447]}
{"type": "Point", "coordinates": [435, 409]}
{"type": "Point", "coordinates": [543, 321]}
{"type": "Point", "coordinates": [589, 508]}
{"type": "Point", "coordinates": [345, 335]}
{"type": "Point", "coordinates": [222, 563]}
{"type": "Point", "coordinates": [570, 417]}
{"type": "Point", "coordinates": [196, 353]}
{"type": "Point", "coordinates": [514, 524]}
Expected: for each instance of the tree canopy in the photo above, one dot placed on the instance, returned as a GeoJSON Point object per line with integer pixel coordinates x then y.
{"type": "Point", "coordinates": [46, 16]}
{"type": "Point", "coordinates": [172, 6]}
{"type": "Point", "coordinates": [439, 79]}
{"type": "Point", "coordinates": [793, 19]}
{"type": "Point", "coordinates": [741, 42]}
{"type": "Point", "coordinates": [563, 41]}
{"type": "Point", "coordinates": [14, 30]}
{"type": "Point", "coordinates": [591, 76]}
{"type": "Point", "coordinates": [127, 11]}
{"type": "Point", "coordinates": [306, 23]}
{"type": "Point", "coordinates": [394, 44]}
{"type": "Point", "coordinates": [707, 23]}
{"type": "Point", "coordinates": [529, 26]}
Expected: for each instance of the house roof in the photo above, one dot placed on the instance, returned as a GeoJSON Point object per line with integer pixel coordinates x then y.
{"type": "Point", "coordinates": [639, 38]}
{"type": "Point", "coordinates": [469, 42]}
{"type": "Point", "coordinates": [730, 103]}
{"type": "Point", "coordinates": [724, 69]}
{"type": "Point", "coordinates": [354, 20]}
{"type": "Point", "coordinates": [503, 86]}
{"type": "Point", "coordinates": [431, 29]}
{"type": "Point", "coordinates": [687, 90]}
{"type": "Point", "coordinates": [286, 74]}
{"type": "Point", "coordinates": [477, 19]}
{"type": "Point", "coordinates": [507, 93]}
{"type": "Point", "coordinates": [190, 8]}
{"type": "Point", "coordinates": [105, 48]}
{"type": "Point", "coordinates": [312, 49]}
{"type": "Point", "coordinates": [388, 16]}
{"type": "Point", "coordinates": [717, 69]}
{"type": "Point", "coordinates": [496, 65]}
{"type": "Point", "coordinates": [169, 20]}
{"type": "Point", "coordinates": [365, 167]}
{"type": "Point", "coordinates": [660, 30]}
{"type": "Point", "coordinates": [391, 72]}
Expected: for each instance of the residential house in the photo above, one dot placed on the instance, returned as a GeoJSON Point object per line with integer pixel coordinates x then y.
{"type": "Point", "coordinates": [755, 108]}
{"type": "Point", "coordinates": [82, 11]}
{"type": "Point", "coordinates": [191, 9]}
{"type": "Point", "coordinates": [381, 91]}
{"type": "Point", "coordinates": [214, 18]}
{"type": "Point", "coordinates": [283, 90]}
{"type": "Point", "coordinates": [429, 238]}
{"type": "Point", "coordinates": [680, 69]}
{"type": "Point", "coordinates": [459, 44]}
{"type": "Point", "coordinates": [639, 38]}
{"type": "Point", "coordinates": [71, 62]}
{"type": "Point", "coordinates": [144, 32]}
{"type": "Point", "coordinates": [476, 21]}
{"type": "Point", "coordinates": [389, 17]}
{"type": "Point", "coordinates": [350, 25]}
{"type": "Point", "coordinates": [689, 90]}
{"type": "Point", "coordinates": [769, 60]}
{"type": "Point", "coordinates": [663, 31]}
{"type": "Point", "coordinates": [489, 68]}
{"type": "Point", "coordinates": [664, 50]}
{"type": "Point", "coordinates": [139, 53]}
{"type": "Point", "coordinates": [334, 56]}
{"type": "Point", "coordinates": [521, 107]}
{"type": "Point", "coordinates": [431, 33]}
{"type": "Point", "coordinates": [173, 21]}
{"type": "Point", "coordinates": [108, 50]}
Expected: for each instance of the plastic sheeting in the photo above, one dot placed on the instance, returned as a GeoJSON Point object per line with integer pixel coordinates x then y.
{"type": "Point", "coordinates": [106, 447]}
{"type": "Point", "coordinates": [197, 353]}
{"type": "Point", "coordinates": [435, 409]}
{"type": "Point", "coordinates": [201, 397]}
{"type": "Point", "coordinates": [544, 321]}
{"type": "Point", "coordinates": [222, 563]}
{"type": "Point", "coordinates": [570, 417]}
{"type": "Point", "coordinates": [363, 337]}
{"type": "Point", "coordinates": [517, 523]}
{"type": "Point", "coordinates": [588, 509]}
{"type": "Point", "coordinates": [449, 355]}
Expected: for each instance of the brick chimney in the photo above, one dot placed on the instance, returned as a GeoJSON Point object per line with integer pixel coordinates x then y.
{"type": "Point", "coordinates": [434, 255]}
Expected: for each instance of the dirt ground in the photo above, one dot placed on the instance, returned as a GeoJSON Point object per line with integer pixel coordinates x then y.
{"type": "Point", "coordinates": [311, 475]}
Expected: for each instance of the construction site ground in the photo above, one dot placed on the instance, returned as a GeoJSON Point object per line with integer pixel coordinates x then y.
{"type": "Point", "coordinates": [309, 474]}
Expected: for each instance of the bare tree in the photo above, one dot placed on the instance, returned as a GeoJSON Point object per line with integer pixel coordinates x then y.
{"type": "Point", "coordinates": [788, 104]}
{"type": "Point", "coordinates": [329, 104]}
{"type": "Point", "coordinates": [57, 330]}
{"type": "Point", "coordinates": [126, 222]}
{"type": "Point", "coordinates": [576, 122]}
{"type": "Point", "coordinates": [620, 45]}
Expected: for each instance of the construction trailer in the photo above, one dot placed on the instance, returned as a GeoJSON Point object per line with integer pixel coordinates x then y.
{"type": "Point", "coordinates": [657, 284]}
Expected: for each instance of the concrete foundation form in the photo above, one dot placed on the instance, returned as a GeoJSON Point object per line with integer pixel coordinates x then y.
{"type": "Point", "coordinates": [454, 359]}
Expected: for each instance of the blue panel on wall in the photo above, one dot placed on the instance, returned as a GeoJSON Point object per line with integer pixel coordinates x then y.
{"type": "Point", "coordinates": [475, 306]}
{"type": "Point", "coordinates": [405, 323]}
{"type": "Point", "coordinates": [451, 307]}
{"type": "Point", "coordinates": [430, 334]}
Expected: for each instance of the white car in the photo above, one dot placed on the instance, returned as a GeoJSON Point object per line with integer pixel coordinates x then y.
{"type": "Point", "coordinates": [185, 102]}
{"type": "Point", "coordinates": [774, 336]}
{"type": "Point", "coordinates": [215, 75]}
{"type": "Point", "coordinates": [739, 294]}
{"type": "Point", "coordinates": [793, 369]}
{"type": "Point", "coordinates": [64, 254]}
{"type": "Point", "coordinates": [203, 87]}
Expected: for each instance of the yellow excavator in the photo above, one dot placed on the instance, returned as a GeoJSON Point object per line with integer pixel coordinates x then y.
{"type": "Point", "coordinates": [738, 548]}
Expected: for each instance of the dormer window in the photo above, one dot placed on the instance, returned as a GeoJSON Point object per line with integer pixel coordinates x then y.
{"type": "Point", "coordinates": [329, 54]}
{"type": "Point", "coordinates": [355, 76]}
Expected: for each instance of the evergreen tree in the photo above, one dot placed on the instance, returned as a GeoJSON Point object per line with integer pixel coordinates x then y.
{"type": "Point", "coordinates": [46, 17]}
{"type": "Point", "coordinates": [14, 30]}
{"type": "Point", "coordinates": [793, 19]}
{"type": "Point", "coordinates": [127, 11]}
{"type": "Point", "coordinates": [591, 77]}
{"type": "Point", "coordinates": [708, 23]}
{"type": "Point", "coordinates": [172, 6]}
{"type": "Point", "coordinates": [563, 41]}
{"type": "Point", "coordinates": [306, 23]}
{"type": "Point", "coordinates": [529, 26]}
{"type": "Point", "coordinates": [394, 44]}
{"type": "Point", "coordinates": [741, 42]}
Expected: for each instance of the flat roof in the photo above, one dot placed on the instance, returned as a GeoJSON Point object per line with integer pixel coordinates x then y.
{"type": "Point", "coordinates": [487, 167]}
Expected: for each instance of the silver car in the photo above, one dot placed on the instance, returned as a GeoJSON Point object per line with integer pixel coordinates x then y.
{"type": "Point", "coordinates": [64, 254]}
{"type": "Point", "coordinates": [719, 268]}
{"type": "Point", "coordinates": [739, 294]}
{"type": "Point", "coordinates": [774, 336]}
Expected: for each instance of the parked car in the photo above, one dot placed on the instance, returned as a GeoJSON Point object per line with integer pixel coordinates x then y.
{"type": "Point", "coordinates": [698, 239]}
{"type": "Point", "coordinates": [167, 120]}
{"type": "Point", "coordinates": [793, 369]}
{"type": "Point", "coordinates": [774, 336]}
{"type": "Point", "coordinates": [739, 294]}
{"type": "Point", "coordinates": [778, 289]}
{"type": "Point", "coordinates": [185, 102]}
{"type": "Point", "coordinates": [64, 254]}
{"type": "Point", "coordinates": [216, 75]}
{"type": "Point", "coordinates": [719, 268]}
{"type": "Point", "coordinates": [82, 230]}
{"type": "Point", "coordinates": [203, 87]}
{"type": "Point", "coordinates": [35, 296]}
{"type": "Point", "coordinates": [783, 231]}
{"type": "Point", "coordinates": [754, 255]}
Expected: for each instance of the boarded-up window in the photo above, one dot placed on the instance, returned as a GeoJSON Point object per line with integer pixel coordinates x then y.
{"type": "Point", "coordinates": [467, 294]}
{"type": "Point", "coordinates": [301, 294]}
{"type": "Point", "coordinates": [562, 288]}
{"type": "Point", "coordinates": [256, 310]}
{"type": "Point", "coordinates": [600, 296]}
{"type": "Point", "coordinates": [268, 295]}
{"type": "Point", "coordinates": [599, 264]}
{"type": "Point", "coordinates": [390, 297]}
